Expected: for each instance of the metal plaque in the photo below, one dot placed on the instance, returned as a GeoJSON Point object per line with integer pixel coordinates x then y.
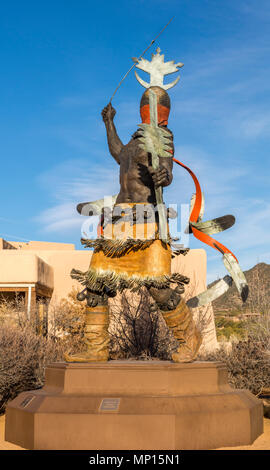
{"type": "Point", "coordinates": [109, 404]}
{"type": "Point", "coordinates": [27, 400]}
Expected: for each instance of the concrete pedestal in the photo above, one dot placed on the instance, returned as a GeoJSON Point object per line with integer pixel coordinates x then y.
{"type": "Point", "coordinates": [135, 405]}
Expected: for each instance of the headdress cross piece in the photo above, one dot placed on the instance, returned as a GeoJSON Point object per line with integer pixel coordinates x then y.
{"type": "Point", "coordinates": [157, 70]}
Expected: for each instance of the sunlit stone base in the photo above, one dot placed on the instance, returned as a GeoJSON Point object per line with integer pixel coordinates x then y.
{"type": "Point", "coordinates": [131, 405]}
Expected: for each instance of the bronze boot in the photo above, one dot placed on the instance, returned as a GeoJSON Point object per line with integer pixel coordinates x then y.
{"type": "Point", "coordinates": [96, 337]}
{"type": "Point", "coordinates": [181, 323]}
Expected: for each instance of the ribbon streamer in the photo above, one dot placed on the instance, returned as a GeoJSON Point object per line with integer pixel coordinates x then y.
{"type": "Point", "coordinates": [195, 213]}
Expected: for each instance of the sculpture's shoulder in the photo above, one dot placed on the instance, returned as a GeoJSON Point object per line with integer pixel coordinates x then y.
{"type": "Point", "coordinates": [132, 147]}
{"type": "Point", "coordinates": [169, 130]}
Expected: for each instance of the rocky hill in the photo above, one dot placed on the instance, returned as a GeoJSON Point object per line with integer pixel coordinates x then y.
{"type": "Point", "coordinates": [258, 301]}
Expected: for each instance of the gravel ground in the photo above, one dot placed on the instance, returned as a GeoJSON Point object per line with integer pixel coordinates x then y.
{"type": "Point", "coordinates": [262, 443]}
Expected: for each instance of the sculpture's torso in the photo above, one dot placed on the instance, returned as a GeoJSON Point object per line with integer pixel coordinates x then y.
{"type": "Point", "coordinates": [136, 184]}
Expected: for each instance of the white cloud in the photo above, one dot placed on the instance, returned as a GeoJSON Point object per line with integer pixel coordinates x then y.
{"type": "Point", "coordinates": [80, 179]}
{"type": "Point", "coordinates": [219, 181]}
{"type": "Point", "coordinates": [254, 9]}
{"type": "Point", "coordinates": [73, 182]}
{"type": "Point", "coordinates": [255, 126]}
{"type": "Point", "coordinates": [227, 92]}
{"type": "Point", "coordinates": [59, 218]}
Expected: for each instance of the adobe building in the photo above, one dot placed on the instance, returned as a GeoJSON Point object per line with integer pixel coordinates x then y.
{"type": "Point", "coordinates": [39, 272]}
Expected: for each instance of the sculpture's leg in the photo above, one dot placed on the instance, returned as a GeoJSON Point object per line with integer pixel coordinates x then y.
{"type": "Point", "coordinates": [96, 336]}
{"type": "Point", "coordinates": [179, 319]}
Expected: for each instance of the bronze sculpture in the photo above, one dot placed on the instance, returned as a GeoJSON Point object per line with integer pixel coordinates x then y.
{"type": "Point", "coordinates": [134, 249]}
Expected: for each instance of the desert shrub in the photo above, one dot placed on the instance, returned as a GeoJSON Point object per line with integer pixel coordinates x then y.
{"type": "Point", "coordinates": [247, 364]}
{"type": "Point", "coordinates": [12, 312]}
{"type": "Point", "coordinates": [24, 353]}
{"type": "Point", "coordinates": [248, 361]}
{"type": "Point", "coordinates": [23, 357]}
{"type": "Point", "coordinates": [68, 314]}
{"type": "Point", "coordinates": [259, 328]}
{"type": "Point", "coordinates": [227, 328]}
{"type": "Point", "coordinates": [67, 321]}
{"type": "Point", "coordinates": [135, 331]}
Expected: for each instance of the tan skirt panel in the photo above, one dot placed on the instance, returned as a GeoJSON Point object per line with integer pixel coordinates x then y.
{"type": "Point", "coordinates": [153, 261]}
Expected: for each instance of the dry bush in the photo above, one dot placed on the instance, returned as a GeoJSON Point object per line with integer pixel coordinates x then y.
{"type": "Point", "coordinates": [13, 312]}
{"type": "Point", "coordinates": [259, 328]}
{"type": "Point", "coordinates": [258, 299]}
{"type": "Point", "coordinates": [24, 354]}
{"type": "Point", "coordinates": [67, 321]}
{"type": "Point", "coordinates": [248, 361]}
{"type": "Point", "coordinates": [247, 356]}
{"type": "Point", "coordinates": [247, 365]}
{"type": "Point", "coordinates": [135, 331]}
{"type": "Point", "coordinates": [23, 357]}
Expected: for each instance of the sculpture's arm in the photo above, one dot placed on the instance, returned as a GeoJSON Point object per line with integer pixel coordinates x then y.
{"type": "Point", "coordinates": [114, 142]}
{"type": "Point", "coordinates": [163, 176]}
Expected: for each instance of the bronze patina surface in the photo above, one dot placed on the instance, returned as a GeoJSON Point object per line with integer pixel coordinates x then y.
{"type": "Point", "coordinates": [133, 252]}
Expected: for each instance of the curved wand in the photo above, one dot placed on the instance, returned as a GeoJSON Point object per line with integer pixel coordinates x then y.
{"type": "Point", "coordinates": [137, 60]}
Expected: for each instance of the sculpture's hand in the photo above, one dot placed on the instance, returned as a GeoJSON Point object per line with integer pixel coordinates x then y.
{"type": "Point", "coordinates": [108, 113]}
{"type": "Point", "coordinates": [160, 177]}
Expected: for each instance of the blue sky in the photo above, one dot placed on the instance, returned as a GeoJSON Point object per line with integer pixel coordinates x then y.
{"type": "Point", "coordinates": [60, 63]}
